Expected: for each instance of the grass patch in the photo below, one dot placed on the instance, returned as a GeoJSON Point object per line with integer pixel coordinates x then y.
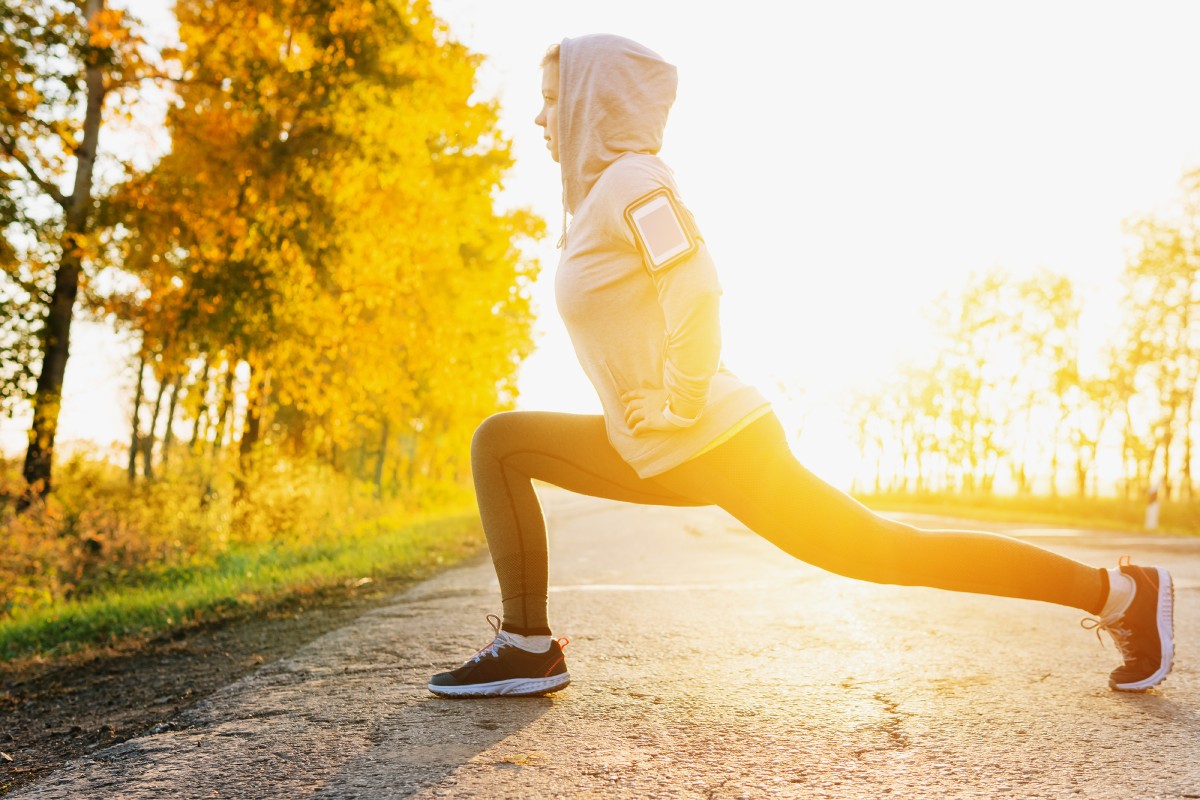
{"type": "Point", "coordinates": [241, 580]}
{"type": "Point", "coordinates": [1106, 513]}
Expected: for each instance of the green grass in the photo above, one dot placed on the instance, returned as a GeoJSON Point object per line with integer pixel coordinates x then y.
{"type": "Point", "coordinates": [1106, 513]}
{"type": "Point", "coordinates": [241, 581]}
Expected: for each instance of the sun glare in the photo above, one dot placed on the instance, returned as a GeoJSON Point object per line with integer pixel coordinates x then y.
{"type": "Point", "coordinates": [849, 163]}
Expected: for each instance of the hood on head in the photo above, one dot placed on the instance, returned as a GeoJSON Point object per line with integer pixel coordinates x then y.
{"type": "Point", "coordinates": [613, 98]}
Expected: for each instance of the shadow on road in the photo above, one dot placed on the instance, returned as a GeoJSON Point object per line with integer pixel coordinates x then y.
{"type": "Point", "coordinates": [1159, 706]}
{"type": "Point", "coordinates": [427, 742]}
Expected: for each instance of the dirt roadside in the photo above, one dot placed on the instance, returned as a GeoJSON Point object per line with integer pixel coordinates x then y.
{"type": "Point", "coordinates": [54, 711]}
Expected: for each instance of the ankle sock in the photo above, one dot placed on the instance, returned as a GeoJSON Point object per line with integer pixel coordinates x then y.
{"type": "Point", "coordinates": [1121, 589]}
{"type": "Point", "coordinates": [534, 644]}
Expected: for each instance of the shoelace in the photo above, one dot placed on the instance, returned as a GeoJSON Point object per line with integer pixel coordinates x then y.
{"type": "Point", "coordinates": [499, 640]}
{"type": "Point", "coordinates": [1120, 635]}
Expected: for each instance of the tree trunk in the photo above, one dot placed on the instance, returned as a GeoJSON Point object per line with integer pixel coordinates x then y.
{"type": "Point", "coordinates": [1080, 475]}
{"type": "Point", "coordinates": [148, 440]}
{"type": "Point", "coordinates": [1166, 474]}
{"type": "Point", "coordinates": [1128, 456]}
{"type": "Point", "coordinates": [198, 431]}
{"type": "Point", "coordinates": [169, 433]}
{"type": "Point", "coordinates": [250, 431]}
{"type": "Point", "coordinates": [1054, 468]}
{"type": "Point", "coordinates": [383, 443]}
{"type": "Point", "coordinates": [1024, 484]}
{"type": "Point", "coordinates": [878, 470]}
{"type": "Point", "coordinates": [202, 412]}
{"type": "Point", "coordinates": [56, 332]}
{"type": "Point", "coordinates": [223, 414]}
{"type": "Point", "coordinates": [1186, 467]}
{"type": "Point", "coordinates": [135, 424]}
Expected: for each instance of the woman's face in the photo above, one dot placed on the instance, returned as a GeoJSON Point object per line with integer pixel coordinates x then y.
{"type": "Point", "coordinates": [548, 117]}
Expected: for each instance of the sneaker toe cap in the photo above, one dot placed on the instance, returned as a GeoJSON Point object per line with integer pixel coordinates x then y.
{"type": "Point", "coordinates": [443, 679]}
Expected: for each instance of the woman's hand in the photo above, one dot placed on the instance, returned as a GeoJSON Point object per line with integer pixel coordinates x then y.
{"type": "Point", "coordinates": [643, 411]}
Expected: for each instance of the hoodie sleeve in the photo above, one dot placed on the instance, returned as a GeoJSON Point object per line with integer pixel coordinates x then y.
{"type": "Point", "coordinates": [689, 294]}
{"type": "Point", "coordinates": [690, 298]}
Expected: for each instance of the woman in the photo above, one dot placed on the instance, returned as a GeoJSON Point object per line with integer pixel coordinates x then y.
{"type": "Point", "coordinates": [639, 295]}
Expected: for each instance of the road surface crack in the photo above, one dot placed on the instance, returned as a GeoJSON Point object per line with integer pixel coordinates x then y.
{"type": "Point", "coordinates": [891, 726]}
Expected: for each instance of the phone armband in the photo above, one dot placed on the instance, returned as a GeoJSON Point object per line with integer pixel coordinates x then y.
{"type": "Point", "coordinates": [662, 228]}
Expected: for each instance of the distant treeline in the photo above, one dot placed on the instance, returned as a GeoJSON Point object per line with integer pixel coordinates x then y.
{"type": "Point", "coordinates": [1003, 399]}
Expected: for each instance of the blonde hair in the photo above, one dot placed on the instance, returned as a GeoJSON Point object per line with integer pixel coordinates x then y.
{"type": "Point", "coordinates": [551, 56]}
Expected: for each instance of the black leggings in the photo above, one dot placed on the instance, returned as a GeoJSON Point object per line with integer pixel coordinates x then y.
{"type": "Point", "coordinates": [754, 477]}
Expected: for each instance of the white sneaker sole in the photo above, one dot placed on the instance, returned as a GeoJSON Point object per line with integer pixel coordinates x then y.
{"type": "Point", "coordinates": [513, 687]}
{"type": "Point", "coordinates": [1166, 636]}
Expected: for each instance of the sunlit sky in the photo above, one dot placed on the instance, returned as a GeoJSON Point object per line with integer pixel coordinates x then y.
{"type": "Point", "coordinates": [847, 162]}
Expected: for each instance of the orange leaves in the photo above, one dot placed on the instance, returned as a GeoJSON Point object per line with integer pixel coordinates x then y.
{"type": "Point", "coordinates": [266, 28]}
{"type": "Point", "coordinates": [348, 18]}
{"type": "Point", "coordinates": [299, 53]}
{"type": "Point", "coordinates": [107, 28]}
{"type": "Point", "coordinates": [67, 131]}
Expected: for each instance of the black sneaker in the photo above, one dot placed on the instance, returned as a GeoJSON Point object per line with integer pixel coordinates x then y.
{"type": "Point", "coordinates": [1145, 632]}
{"type": "Point", "coordinates": [504, 669]}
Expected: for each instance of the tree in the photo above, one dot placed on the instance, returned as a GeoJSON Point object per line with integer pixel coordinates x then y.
{"type": "Point", "coordinates": [1162, 303]}
{"type": "Point", "coordinates": [1045, 326]}
{"type": "Point", "coordinates": [326, 219]}
{"type": "Point", "coordinates": [66, 68]}
{"type": "Point", "coordinates": [978, 371]}
{"type": "Point", "coordinates": [998, 388]}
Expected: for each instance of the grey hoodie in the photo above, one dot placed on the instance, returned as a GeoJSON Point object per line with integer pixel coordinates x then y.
{"type": "Point", "coordinates": [633, 326]}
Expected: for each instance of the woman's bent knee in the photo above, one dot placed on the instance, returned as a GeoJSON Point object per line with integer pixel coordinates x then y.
{"type": "Point", "coordinates": [491, 434]}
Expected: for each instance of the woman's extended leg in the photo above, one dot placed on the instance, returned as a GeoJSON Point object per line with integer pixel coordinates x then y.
{"type": "Point", "coordinates": [756, 479]}
{"type": "Point", "coordinates": [510, 451]}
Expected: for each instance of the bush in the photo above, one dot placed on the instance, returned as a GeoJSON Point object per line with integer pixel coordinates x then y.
{"type": "Point", "coordinates": [98, 531]}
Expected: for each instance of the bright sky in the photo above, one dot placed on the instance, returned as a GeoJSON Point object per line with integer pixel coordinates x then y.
{"type": "Point", "coordinates": [847, 162]}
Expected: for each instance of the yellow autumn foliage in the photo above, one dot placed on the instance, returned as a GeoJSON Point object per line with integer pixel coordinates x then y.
{"type": "Point", "coordinates": [326, 219]}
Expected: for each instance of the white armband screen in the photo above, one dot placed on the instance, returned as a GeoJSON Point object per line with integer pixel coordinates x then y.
{"type": "Point", "coordinates": [660, 230]}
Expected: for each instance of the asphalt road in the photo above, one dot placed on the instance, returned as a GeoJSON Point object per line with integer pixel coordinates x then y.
{"type": "Point", "coordinates": [706, 664]}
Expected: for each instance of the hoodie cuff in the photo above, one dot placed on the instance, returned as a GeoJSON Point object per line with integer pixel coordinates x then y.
{"type": "Point", "coordinates": [677, 421]}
